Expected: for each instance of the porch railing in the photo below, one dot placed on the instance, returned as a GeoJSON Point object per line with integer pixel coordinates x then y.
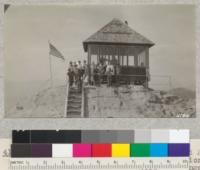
{"type": "Point", "coordinates": [98, 79]}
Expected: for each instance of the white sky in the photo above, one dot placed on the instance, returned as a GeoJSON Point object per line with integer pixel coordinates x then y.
{"type": "Point", "coordinates": [28, 29]}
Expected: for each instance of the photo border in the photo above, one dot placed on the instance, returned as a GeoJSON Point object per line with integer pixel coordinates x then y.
{"type": "Point", "coordinates": [7, 124]}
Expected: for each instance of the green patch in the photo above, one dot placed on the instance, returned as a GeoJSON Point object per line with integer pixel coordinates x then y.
{"type": "Point", "coordinates": [140, 150]}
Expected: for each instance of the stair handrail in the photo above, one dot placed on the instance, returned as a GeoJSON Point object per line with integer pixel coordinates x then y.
{"type": "Point", "coordinates": [66, 99]}
{"type": "Point", "coordinates": [82, 101]}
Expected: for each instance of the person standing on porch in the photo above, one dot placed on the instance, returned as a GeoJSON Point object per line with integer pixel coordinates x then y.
{"type": "Point", "coordinates": [100, 73]}
{"type": "Point", "coordinates": [85, 69]}
{"type": "Point", "coordinates": [109, 72]}
{"type": "Point", "coordinates": [80, 69]}
{"type": "Point", "coordinates": [85, 72]}
{"type": "Point", "coordinates": [117, 74]}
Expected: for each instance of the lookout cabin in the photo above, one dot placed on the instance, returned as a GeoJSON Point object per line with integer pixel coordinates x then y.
{"type": "Point", "coordinates": [119, 45]}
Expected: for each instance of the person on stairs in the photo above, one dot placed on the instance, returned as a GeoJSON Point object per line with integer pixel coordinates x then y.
{"type": "Point", "coordinates": [70, 74]}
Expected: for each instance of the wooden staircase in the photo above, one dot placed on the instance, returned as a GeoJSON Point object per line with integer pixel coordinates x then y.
{"type": "Point", "coordinates": [74, 103]}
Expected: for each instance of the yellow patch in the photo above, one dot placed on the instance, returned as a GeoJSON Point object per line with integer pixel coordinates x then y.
{"type": "Point", "coordinates": [120, 150]}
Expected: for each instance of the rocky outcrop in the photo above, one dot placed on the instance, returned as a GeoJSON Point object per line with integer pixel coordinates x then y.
{"type": "Point", "coordinates": [136, 101]}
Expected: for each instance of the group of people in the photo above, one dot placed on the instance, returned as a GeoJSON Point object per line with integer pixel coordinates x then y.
{"type": "Point", "coordinates": [103, 70]}
{"type": "Point", "coordinates": [78, 73]}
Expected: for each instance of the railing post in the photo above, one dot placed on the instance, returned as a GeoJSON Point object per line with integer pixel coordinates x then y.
{"type": "Point", "coordinates": [82, 101]}
{"type": "Point", "coordinates": [66, 99]}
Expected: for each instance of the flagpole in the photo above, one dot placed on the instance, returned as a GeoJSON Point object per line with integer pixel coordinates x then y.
{"type": "Point", "coordinates": [50, 66]}
{"type": "Point", "coordinates": [53, 52]}
{"type": "Point", "coordinates": [50, 69]}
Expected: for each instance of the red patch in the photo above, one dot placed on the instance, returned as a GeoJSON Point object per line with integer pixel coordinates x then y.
{"type": "Point", "coordinates": [101, 150]}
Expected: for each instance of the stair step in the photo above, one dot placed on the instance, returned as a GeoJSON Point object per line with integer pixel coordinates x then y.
{"type": "Point", "coordinates": [74, 92]}
{"type": "Point", "coordinates": [73, 88]}
{"type": "Point", "coordinates": [74, 108]}
{"type": "Point", "coordinates": [74, 105]}
{"type": "Point", "coordinates": [74, 116]}
{"type": "Point", "coordinates": [74, 97]}
{"type": "Point", "coordinates": [73, 112]}
{"type": "Point", "coordinates": [74, 101]}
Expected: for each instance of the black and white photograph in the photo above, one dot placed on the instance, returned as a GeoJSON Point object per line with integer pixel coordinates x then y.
{"type": "Point", "coordinates": [99, 61]}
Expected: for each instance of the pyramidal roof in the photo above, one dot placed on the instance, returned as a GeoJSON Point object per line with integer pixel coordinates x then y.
{"type": "Point", "coordinates": [117, 32]}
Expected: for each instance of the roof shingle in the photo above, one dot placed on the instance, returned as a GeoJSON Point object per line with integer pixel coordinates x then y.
{"type": "Point", "coordinates": [117, 32]}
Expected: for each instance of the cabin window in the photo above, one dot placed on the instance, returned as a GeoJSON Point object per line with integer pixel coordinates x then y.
{"type": "Point", "coordinates": [94, 59]}
{"type": "Point", "coordinates": [124, 60]}
{"type": "Point", "coordinates": [131, 61]}
{"type": "Point", "coordinates": [141, 60]}
{"type": "Point", "coordinates": [114, 59]}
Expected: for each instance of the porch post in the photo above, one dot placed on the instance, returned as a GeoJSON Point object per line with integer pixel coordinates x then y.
{"type": "Point", "coordinates": [147, 66]}
{"type": "Point", "coordinates": [89, 63]}
{"type": "Point", "coordinates": [136, 59]}
{"type": "Point", "coordinates": [127, 60]}
{"type": "Point", "coordinates": [147, 57]}
{"type": "Point", "coordinates": [98, 57]}
{"type": "Point", "coordinates": [118, 56]}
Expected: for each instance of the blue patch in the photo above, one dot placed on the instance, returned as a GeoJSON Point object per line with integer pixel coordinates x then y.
{"type": "Point", "coordinates": [159, 150]}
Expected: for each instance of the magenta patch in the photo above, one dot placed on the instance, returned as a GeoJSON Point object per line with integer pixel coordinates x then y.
{"type": "Point", "coordinates": [82, 150]}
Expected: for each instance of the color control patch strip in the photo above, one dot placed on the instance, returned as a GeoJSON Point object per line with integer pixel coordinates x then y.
{"type": "Point", "coordinates": [100, 150]}
{"type": "Point", "coordinates": [90, 143]}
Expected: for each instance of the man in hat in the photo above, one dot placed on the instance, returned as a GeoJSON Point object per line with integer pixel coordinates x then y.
{"type": "Point", "coordinates": [85, 72]}
{"type": "Point", "coordinates": [70, 74]}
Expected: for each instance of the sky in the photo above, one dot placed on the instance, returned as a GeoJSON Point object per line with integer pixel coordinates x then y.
{"type": "Point", "coordinates": [27, 30]}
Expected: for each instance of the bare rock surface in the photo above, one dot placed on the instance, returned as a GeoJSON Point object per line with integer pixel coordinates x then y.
{"type": "Point", "coordinates": [49, 102]}
{"type": "Point", "coordinates": [136, 101]}
{"type": "Point", "coordinates": [108, 102]}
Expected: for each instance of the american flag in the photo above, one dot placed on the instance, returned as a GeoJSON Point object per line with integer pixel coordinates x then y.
{"type": "Point", "coordinates": [54, 52]}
